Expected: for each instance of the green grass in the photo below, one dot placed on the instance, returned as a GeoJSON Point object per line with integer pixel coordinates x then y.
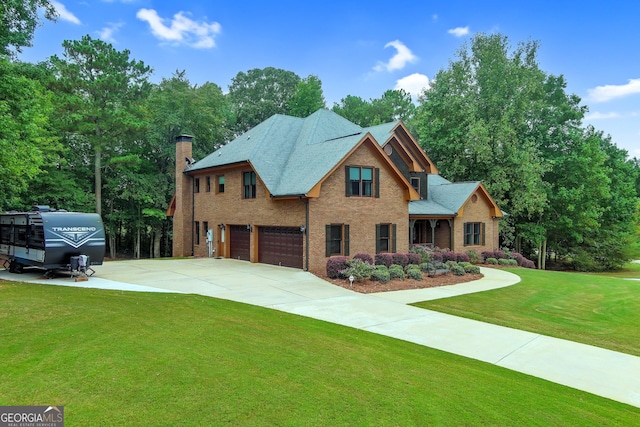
{"type": "Point", "coordinates": [135, 359]}
{"type": "Point", "coordinates": [591, 309]}
{"type": "Point", "coordinates": [629, 271]}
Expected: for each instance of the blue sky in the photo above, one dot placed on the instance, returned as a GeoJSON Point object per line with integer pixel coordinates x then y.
{"type": "Point", "coordinates": [364, 48]}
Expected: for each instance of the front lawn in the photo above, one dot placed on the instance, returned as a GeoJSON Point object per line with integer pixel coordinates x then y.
{"type": "Point", "coordinates": [136, 359]}
{"type": "Point", "coordinates": [591, 309]}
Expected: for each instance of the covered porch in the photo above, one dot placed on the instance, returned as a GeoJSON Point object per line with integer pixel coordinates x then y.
{"type": "Point", "coordinates": [434, 232]}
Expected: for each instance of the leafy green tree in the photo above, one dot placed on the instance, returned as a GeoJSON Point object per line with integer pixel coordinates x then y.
{"type": "Point", "coordinates": [260, 93]}
{"type": "Point", "coordinates": [475, 122]}
{"type": "Point", "coordinates": [308, 97]}
{"type": "Point", "coordinates": [26, 141]}
{"type": "Point", "coordinates": [174, 107]}
{"type": "Point", "coordinates": [18, 21]}
{"type": "Point", "coordinates": [100, 93]}
{"type": "Point", "coordinates": [391, 106]}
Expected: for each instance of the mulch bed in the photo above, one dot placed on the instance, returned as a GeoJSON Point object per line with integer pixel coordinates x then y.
{"type": "Point", "coordinates": [369, 286]}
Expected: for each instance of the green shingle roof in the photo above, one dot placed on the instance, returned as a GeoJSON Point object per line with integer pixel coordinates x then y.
{"type": "Point", "coordinates": [290, 154]}
{"type": "Point", "coordinates": [444, 197]}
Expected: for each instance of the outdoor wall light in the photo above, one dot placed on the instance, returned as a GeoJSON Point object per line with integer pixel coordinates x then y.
{"type": "Point", "coordinates": [222, 227]}
{"type": "Point", "coordinates": [249, 227]}
{"type": "Point", "coordinates": [303, 228]}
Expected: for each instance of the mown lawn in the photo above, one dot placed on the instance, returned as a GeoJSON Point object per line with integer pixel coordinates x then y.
{"type": "Point", "coordinates": [134, 359]}
{"type": "Point", "coordinates": [591, 309]}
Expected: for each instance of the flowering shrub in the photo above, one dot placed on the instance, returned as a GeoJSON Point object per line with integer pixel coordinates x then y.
{"type": "Point", "coordinates": [357, 268]}
{"type": "Point", "coordinates": [424, 252]}
{"type": "Point", "coordinates": [335, 264]}
{"type": "Point", "coordinates": [364, 257]}
{"type": "Point", "coordinates": [400, 259]}
{"type": "Point", "coordinates": [384, 259]}
{"type": "Point", "coordinates": [474, 256]}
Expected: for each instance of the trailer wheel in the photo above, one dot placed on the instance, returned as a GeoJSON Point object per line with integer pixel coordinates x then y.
{"type": "Point", "coordinates": [15, 267]}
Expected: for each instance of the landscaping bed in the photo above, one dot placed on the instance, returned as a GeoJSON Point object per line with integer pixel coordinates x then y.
{"type": "Point", "coordinates": [370, 286]}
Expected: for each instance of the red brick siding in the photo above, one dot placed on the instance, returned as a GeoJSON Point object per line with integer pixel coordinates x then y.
{"type": "Point", "coordinates": [480, 211]}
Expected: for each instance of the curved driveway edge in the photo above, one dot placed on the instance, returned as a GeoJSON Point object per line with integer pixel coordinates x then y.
{"type": "Point", "coordinates": [602, 372]}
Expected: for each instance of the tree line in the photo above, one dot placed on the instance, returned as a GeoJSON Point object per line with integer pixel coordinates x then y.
{"type": "Point", "coordinates": [89, 131]}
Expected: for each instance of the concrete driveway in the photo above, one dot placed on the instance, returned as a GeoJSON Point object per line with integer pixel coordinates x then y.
{"type": "Point", "coordinates": [595, 370]}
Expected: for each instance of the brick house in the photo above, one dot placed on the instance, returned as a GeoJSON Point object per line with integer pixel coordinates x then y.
{"type": "Point", "coordinates": [295, 191]}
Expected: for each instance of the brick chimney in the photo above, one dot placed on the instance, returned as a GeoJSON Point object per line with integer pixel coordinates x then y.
{"type": "Point", "coordinates": [183, 215]}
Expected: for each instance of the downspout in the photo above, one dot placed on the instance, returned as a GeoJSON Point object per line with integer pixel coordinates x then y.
{"type": "Point", "coordinates": [193, 216]}
{"type": "Point", "coordinates": [306, 232]}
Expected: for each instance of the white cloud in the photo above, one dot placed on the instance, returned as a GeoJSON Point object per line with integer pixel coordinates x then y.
{"type": "Point", "coordinates": [609, 92]}
{"type": "Point", "coordinates": [399, 60]}
{"type": "Point", "coordinates": [106, 34]}
{"type": "Point", "coordinates": [459, 31]}
{"type": "Point", "coordinates": [182, 30]}
{"type": "Point", "coordinates": [434, 17]}
{"type": "Point", "coordinates": [414, 84]}
{"type": "Point", "coordinates": [63, 13]}
{"type": "Point", "coordinates": [596, 115]}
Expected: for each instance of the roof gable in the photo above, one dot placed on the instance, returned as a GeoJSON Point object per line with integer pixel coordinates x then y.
{"type": "Point", "coordinates": [291, 155]}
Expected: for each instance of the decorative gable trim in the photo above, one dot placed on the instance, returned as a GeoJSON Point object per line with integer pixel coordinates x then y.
{"type": "Point", "coordinates": [409, 143]}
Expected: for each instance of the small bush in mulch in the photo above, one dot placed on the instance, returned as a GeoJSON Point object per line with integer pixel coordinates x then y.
{"type": "Point", "coordinates": [471, 269]}
{"type": "Point", "coordinates": [381, 274]}
{"type": "Point", "coordinates": [457, 270]}
{"type": "Point", "coordinates": [414, 273]}
{"type": "Point", "coordinates": [335, 265]}
{"type": "Point", "coordinates": [491, 261]}
{"type": "Point", "coordinates": [474, 256]}
{"type": "Point", "coordinates": [384, 259]}
{"type": "Point", "coordinates": [396, 271]}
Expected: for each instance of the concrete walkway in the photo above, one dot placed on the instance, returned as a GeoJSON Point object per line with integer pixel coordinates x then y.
{"type": "Point", "coordinates": [602, 372]}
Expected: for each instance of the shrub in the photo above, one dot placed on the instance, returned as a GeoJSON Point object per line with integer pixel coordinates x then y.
{"type": "Point", "coordinates": [499, 254]}
{"type": "Point", "coordinates": [437, 256]}
{"type": "Point", "coordinates": [457, 270]}
{"type": "Point", "coordinates": [518, 257]}
{"type": "Point", "coordinates": [464, 264]}
{"type": "Point", "coordinates": [414, 273]}
{"type": "Point", "coordinates": [364, 257]}
{"type": "Point", "coordinates": [474, 256]}
{"type": "Point", "coordinates": [396, 271]}
{"type": "Point", "coordinates": [512, 262]}
{"type": "Point", "coordinates": [450, 264]}
{"type": "Point", "coordinates": [529, 264]}
{"type": "Point", "coordinates": [414, 259]}
{"type": "Point", "coordinates": [462, 257]}
{"type": "Point", "coordinates": [357, 268]}
{"type": "Point", "coordinates": [400, 259]}
{"type": "Point", "coordinates": [384, 259]}
{"type": "Point", "coordinates": [424, 252]}
{"type": "Point", "coordinates": [426, 266]}
{"type": "Point", "coordinates": [335, 264]}
{"type": "Point", "coordinates": [492, 261]}
{"type": "Point", "coordinates": [471, 269]}
{"type": "Point", "coordinates": [381, 274]}
{"type": "Point", "coordinates": [449, 256]}
{"type": "Point", "coordinates": [504, 261]}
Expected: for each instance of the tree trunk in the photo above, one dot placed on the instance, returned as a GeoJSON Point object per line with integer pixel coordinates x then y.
{"type": "Point", "coordinates": [544, 254]}
{"type": "Point", "coordinates": [112, 245]}
{"type": "Point", "coordinates": [98, 180]}
{"type": "Point", "coordinates": [157, 238]}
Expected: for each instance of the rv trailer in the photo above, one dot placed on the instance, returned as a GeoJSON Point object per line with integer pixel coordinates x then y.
{"type": "Point", "coordinates": [51, 240]}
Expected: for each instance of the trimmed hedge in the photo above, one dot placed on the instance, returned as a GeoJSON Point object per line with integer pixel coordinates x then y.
{"type": "Point", "coordinates": [384, 259]}
{"type": "Point", "coordinates": [335, 265]}
{"type": "Point", "coordinates": [400, 259]}
{"type": "Point", "coordinates": [414, 259]}
{"type": "Point", "coordinates": [364, 257]}
{"type": "Point", "coordinates": [381, 274]}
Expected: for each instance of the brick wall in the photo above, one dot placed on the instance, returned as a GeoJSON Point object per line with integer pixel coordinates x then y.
{"type": "Point", "coordinates": [478, 211]}
{"type": "Point", "coordinates": [361, 213]}
{"type": "Point", "coordinates": [230, 208]}
{"type": "Point", "coordinates": [182, 225]}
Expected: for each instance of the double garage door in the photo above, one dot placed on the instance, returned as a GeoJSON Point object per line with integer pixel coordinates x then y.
{"type": "Point", "coordinates": [276, 245]}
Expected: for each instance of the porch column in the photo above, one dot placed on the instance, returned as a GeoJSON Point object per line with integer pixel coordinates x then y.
{"type": "Point", "coordinates": [451, 234]}
{"type": "Point", "coordinates": [412, 233]}
{"type": "Point", "coordinates": [433, 223]}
